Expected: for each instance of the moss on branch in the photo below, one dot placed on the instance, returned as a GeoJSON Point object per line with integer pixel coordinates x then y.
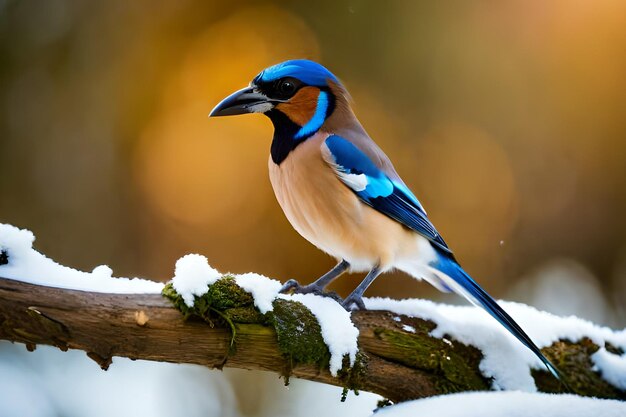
{"type": "Point", "coordinates": [457, 366]}
{"type": "Point", "coordinates": [298, 333]}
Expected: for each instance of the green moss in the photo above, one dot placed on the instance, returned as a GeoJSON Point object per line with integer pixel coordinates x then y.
{"type": "Point", "coordinates": [299, 335]}
{"type": "Point", "coordinates": [456, 364]}
{"type": "Point", "coordinates": [170, 293]}
{"type": "Point", "coordinates": [574, 361]}
{"type": "Point", "coordinates": [224, 302]}
{"type": "Point", "coordinates": [298, 332]}
{"type": "Point", "coordinates": [352, 378]}
{"type": "Point", "coordinates": [245, 315]}
{"type": "Point", "coordinates": [224, 295]}
{"type": "Point", "coordinates": [300, 340]}
{"type": "Point", "coordinates": [385, 402]}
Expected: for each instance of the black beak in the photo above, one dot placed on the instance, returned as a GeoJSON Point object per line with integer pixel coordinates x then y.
{"type": "Point", "coordinates": [241, 102]}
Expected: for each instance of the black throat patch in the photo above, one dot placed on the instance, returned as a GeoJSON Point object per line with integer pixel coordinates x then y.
{"type": "Point", "coordinates": [284, 135]}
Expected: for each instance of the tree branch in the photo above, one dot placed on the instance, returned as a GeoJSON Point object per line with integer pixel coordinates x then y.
{"type": "Point", "coordinates": [396, 364]}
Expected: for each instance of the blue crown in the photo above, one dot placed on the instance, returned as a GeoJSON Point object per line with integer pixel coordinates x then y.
{"type": "Point", "coordinates": [308, 72]}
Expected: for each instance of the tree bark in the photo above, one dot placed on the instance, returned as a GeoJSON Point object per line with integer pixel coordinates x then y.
{"type": "Point", "coordinates": [396, 364]}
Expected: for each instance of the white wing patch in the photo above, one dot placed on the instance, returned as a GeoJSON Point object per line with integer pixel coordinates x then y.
{"type": "Point", "coordinates": [357, 182]}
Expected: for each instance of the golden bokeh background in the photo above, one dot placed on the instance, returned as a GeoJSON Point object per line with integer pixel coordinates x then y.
{"type": "Point", "coordinates": [507, 119]}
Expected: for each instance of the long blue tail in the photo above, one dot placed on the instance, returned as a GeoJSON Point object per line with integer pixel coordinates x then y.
{"type": "Point", "coordinates": [476, 295]}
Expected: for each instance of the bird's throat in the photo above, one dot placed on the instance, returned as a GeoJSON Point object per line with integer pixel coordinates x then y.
{"type": "Point", "coordinates": [285, 136]}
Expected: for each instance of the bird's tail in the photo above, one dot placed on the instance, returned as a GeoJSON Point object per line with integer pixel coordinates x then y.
{"type": "Point", "coordinates": [460, 282]}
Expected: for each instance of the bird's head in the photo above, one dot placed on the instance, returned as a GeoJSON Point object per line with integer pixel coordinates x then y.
{"type": "Point", "coordinates": [299, 96]}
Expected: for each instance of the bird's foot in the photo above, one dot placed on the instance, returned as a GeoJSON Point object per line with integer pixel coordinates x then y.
{"type": "Point", "coordinates": [289, 285]}
{"type": "Point", "coordinates": [353, 303]}
{"type": "Point", "coordinates": [294, 286]}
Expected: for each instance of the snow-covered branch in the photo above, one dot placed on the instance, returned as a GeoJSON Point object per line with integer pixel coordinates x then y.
{"type": "Point", "coordinates": [398, 349]}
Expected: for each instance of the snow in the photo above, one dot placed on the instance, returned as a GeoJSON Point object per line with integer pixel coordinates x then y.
{"type": "Point", "coordinates": [192, 276]}
{"type": "Point", "coordinates": [611, 366]}
{"type": "Point", "coordinates": [508, 403]}
{"type": "Point", "coordinates": [21, 395]}
{"type": "Point", "coordinates": [263, 289]}
{"type": "Point", "coordinates": [408, 328]}
{"type": "Point", "coordinates": [28, 265]}
{"type": "Point", "coordinates": [504, 358]}
{"type": "Point", "coordinates": [338, 331]}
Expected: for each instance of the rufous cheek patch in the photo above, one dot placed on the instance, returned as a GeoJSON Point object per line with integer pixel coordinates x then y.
{"type": "Point", "coordinates": [301, 107]}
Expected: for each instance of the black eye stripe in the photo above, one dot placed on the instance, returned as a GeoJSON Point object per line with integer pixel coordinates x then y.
{"type": "Point", "coordinates": [281, 89]}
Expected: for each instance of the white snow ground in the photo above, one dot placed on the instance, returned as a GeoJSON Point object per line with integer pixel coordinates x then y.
{"type": "Point", "coordinates": [506, 404]}
{"type": "Point", "coordinates": [49, 383]}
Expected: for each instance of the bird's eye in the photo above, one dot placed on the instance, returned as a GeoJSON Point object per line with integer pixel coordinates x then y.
{"type": "Point", "coordinates": [286, 88]}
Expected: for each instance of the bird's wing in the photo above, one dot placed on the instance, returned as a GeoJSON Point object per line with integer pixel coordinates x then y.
{"type": "Point", "coordinates": [390, 197]}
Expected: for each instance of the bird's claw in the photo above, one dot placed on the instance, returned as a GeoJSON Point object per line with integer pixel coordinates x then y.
{"type": "Point", "coordinates": [350, 301]}
{"type": "Point", "coordinates": [289, 285]}
{"type": "Point", "coordinates": [294, 285]}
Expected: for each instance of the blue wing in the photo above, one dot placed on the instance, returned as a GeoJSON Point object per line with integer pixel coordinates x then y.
{"type": "Point", "coordinates": [376, 189]}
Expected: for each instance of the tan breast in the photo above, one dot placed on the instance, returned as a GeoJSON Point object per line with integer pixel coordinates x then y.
{"type": "Point", "coordinates": [329, 215]}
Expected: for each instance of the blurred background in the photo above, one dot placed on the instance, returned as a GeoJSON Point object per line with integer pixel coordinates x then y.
{"type": "Point", "coordinates": [507, 119]}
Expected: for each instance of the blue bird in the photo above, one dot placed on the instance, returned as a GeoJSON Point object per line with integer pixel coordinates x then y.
{"type": "Point", "coordinates": [341, 192]}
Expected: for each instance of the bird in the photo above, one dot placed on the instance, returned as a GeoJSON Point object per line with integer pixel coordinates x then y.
{"type": "Point", "coordinates": [341, 192]}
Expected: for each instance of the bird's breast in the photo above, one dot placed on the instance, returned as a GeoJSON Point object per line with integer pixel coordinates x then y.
{"type": "Point", "coordinates": [315, 202]}
{"type": "Point", "coordinates": [328, 214]}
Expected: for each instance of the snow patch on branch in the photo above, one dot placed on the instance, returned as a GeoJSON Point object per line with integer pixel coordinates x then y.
{"type": "Point", "coordinates": [612, 367]}
{"type": "Point", "coordinates": [263, 289]}
{"type": "Point", "coordinates": [192, 276]}
{"type": "Point", "coordinates": [338, 331]}
{"type": "Point", "coordinates": [27, 265]}
{"type": "Point", "coordinates": [504, 359]}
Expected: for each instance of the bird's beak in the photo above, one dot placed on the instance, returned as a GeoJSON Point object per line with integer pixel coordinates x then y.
{"type": "Point", "coordinates": [243, 101]}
